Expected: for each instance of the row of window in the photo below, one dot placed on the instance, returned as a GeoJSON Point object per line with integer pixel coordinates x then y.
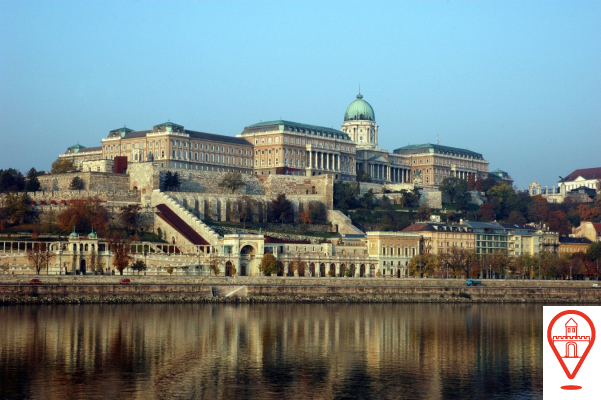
{"type": "Point", "coordinates": [212, 147]}
{"type": "Point", "coordinates": [215, 158]}
{"type": "Point", "coordinates": [302, 142]}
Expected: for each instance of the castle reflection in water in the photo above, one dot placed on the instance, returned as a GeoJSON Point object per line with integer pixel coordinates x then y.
{"type": "Point", "coordinates": [270, 351]}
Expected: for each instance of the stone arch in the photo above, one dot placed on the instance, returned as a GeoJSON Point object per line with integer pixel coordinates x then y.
{"type": "Point", "coordinates": [342, 270]}
{"type": "Point", "coordinates": [332, 270]}
{"type": "Point", "coordinates": [362, 271]}
{"type": "Point", "coordinates": [322, 269]}
{"type": "Point", "coordinates": [290, 269]}
{"type": "Point", "coordinates": [247, 250]}
{"type": "Point", "coordinates": [82, 266]}
{"type": "Point", "coordinates": [312, 269]}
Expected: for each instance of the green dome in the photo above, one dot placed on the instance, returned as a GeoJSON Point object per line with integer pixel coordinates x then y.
{"type": "Point", "coordinates": [359, 110]}
{"type": "Point", "coordinates": [92, 235]}
{"type": "Point", "coordinates": [74, 234]}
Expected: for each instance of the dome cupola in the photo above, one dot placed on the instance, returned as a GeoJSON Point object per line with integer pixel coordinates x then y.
{"type": "Point", "coordinates": [359, 110]}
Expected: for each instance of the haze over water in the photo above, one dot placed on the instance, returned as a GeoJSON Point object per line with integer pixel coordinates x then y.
{"type": "Point", "coordinates": [271, 351]}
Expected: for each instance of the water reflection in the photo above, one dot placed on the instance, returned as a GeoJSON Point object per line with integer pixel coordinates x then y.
{"type": "Point", "coordinates": [271, 351]}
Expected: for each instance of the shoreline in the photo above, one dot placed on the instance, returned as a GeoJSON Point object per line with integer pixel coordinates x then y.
{"type": "Point", "coordinates": [91, 290]}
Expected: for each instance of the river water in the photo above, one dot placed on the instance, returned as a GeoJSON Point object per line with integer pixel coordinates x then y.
{"type": "Point", "coordinates": [296, 351]}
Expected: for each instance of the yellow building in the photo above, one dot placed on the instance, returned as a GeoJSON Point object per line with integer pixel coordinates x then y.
{"type": "Point", "coordinates": [440, 238]}
{"type": "Point", "coordinates": [284, 147]}
{"type": "Point", "coordinates": [173, 146]}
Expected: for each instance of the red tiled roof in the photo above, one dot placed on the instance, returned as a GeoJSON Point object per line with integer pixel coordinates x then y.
{"type": "Point", "coordinates": [415, 228]}
{"type": "Point", "coordinates": [586, 173]}
{"type": "Point", "coordinates": [597, 227]}
{"type": "Point", "coordinates": [171, 218]}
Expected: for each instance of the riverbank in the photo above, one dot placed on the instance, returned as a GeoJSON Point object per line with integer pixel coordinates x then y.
{"type": "Point", "coordinates": [84, 290]}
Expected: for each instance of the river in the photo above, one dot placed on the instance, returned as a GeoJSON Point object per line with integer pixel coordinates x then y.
{"type": "Point", "coordinates": [271, 351]}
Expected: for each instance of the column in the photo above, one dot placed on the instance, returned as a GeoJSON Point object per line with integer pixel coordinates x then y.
{"type": "Point", "coordinates": [308, 159]}
{"type": "Point", "coordinates": [338, 162]}
{"type": "Point", "coordinates": [321, 164]}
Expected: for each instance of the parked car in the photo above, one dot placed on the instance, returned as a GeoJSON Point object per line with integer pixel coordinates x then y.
{"type": "Point", "coordinates": [125, 281]}
{"type": "Point", "coordinates": [35, 281]}
{"type": "Point", "coordinates": [471, 282]}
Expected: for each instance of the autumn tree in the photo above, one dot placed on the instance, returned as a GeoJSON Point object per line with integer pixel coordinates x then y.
{"type": "Point", "coordinates": [500, 196]}
{"type": "Point", "coordinates": [524, 265]}
{"type": "Point", "coordinates": [558, 222]}
{"type": "Point", "coordinates": [119, 246]}
{"type": "Point", "coordinates": [130, 217]}
{"type": "Point", "coordinates": [460, 260]}
{"type": "Point", "coordinates": [269, 264]}
{"type": "Point", "coordinates": [16, 209]}
{"type": "Point", "coordinates": [423, 264]}
{"type": "Point", "coordinates": [62, 166]}
{"type": "Point", "coordinates": [232, 181]}
{"type": "Point", "coordinates": [39, 256]}
{"type": "Point", "coordinates": [423, 213]}
{"type": "Point", "coordinates": [486, 213]}
{"type": "Point", "coordinates": [538, 210]}
{"type": "Point", "coordinates": [281, 210]}
{"type": "Point", "coordinates": [499, 263]}
{"type": "Point", "coordinates": [314, 213]}
{"type": "Point", "coordinates": [83, 216]}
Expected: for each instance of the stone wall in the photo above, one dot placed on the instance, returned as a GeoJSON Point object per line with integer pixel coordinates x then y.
{"type": "Point", "coordinates": [343, 223]}
{"type": "Point", "coordinates": [147, 177]}
{"type": "Point", "coordinates": [64, 196]}
{"type": "Point", "coordinates": [92, 181]}
{"type": "Point", "coordinates": [432, 199]}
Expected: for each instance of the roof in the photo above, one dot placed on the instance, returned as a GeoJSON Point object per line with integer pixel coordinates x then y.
{"type": "Point", "coordinates": [194, 134]}
{"type": "Point", "coordinates": [124, 129]}
{"type": "Point", "coordinates": [597, 227]}
{"type": "Point", "coordinates": [572, 240]}
{"type": "Point", "coordinates": [518, 226]}
{"type": "Point", "coordinates": [573, 323]}
{"type": "Point", "coordinates": [89, 149]}
{"type": "Point", "coordinates": [296, 126]}
{"type": "Point", "coordinates": [217, 138]}
{"type": "Point", "coordinates": [438, 149]}
{"type": "Point", "coordinates": [586, 173]}
{"type": "Point", "coordinates": [435, 227]}
{"type": "Point", "coordinates": [169, 123]}
{"type": "Point", "coordinates": [359, 110]}
{"type": "Point", "coordinates": [484, 225]}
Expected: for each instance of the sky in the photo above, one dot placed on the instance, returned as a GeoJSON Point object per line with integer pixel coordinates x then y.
{"type": "Point", "coordinates": [518, 81]}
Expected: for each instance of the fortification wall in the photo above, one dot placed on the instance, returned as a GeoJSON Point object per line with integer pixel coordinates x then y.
{"type": "Point", "coordinates": [59, 197]}
{"type": "Point", "coordinates": [92, 181]}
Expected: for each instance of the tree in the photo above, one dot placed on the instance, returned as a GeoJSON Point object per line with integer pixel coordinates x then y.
{"type": "Point", "coordinates": [171, 182]}
{"type": "Point", "coordinates": [558, 222]}
{"type": "Point", "coordinates": [460, 260]}
{"type": "Point", "coordinates": [471, 182]}
{"type": "Point", "coordinates": [367, 200]}
{"type": "Point", "coordinates": [83, 216]}
{"type": "Point", "coordinates": [538, 210]}
{"type": "Point", "coordinates": [346, 195]}
{"type": "Point", "coordinates": [453, 188]}
{"type": "Point", "coordinates": [281, 210]}
{"type": "Point", "coordinates": [62, 166]}
{"type": "Point", "coordinates": [130, 217]}
{"type": "Point", "coordinates": [245, 212]}
{"type": "Point", "coordinates": [499, 263]}
{"type": "Point", "coordinates": [77, 184]}
{"type": "Point", "coordinates": [423, 264]}
{"type": "Point", "coordinates": [594, 251]}
{"type": "Point", "coordinates": [524, 266]}
{"type": "Point", "coordinates": [139, 266]}
{"type": "Point", "coordinates": [232, 181]}
{"type": "Point", "coordinates": [16, 209]}
{"type": "Point", "coordinates": [11, 180]}
{"type": "Point", "coordinates": [314, 213]}
{"type": "Point", "coordinates": [120, 248]}
{"type": "Point", "coordinates": [363, 177]}
{"type": "Point", "coordinates": [486, 213]}
{"type": "Point", "coordinates": [32, 183]}
{"type": "Point", "coordinates": [269, 264]}
{"type": "Point", "coordinates": [39, 256]}
{"type": "Point", "coordinates": [500, 196]}
{"type": "Point", "coordinates": [516, 217]}
{"type": "Point", "coordinates": [423, 213]}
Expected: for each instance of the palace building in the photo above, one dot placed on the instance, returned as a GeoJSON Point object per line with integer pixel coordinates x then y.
{"type": "Point", "coordinates": [288, 148]}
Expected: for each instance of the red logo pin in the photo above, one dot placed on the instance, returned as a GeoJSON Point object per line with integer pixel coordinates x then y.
{"type": "Point", "coordinates": [572, 347]}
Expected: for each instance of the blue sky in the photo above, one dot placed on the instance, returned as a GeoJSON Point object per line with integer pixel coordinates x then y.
{"type": "Point", "coordinates": [518, 81]}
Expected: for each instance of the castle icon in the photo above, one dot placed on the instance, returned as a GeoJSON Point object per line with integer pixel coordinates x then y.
{"type": "Point", "coordinates": [571, 341]}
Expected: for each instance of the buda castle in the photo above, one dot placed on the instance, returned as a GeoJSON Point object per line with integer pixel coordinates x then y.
{"type": "Point", "coordinates": [284, 147]}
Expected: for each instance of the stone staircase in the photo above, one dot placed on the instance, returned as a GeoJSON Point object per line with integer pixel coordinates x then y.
{"type": "Point", "coordinates": [204, 230]}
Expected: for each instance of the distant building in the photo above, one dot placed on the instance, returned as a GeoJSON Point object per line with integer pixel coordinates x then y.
{"type": "Point", "coordinates": [490, 237]}
{"type": "Point", "coordinates": [501, 176]}
{"type": "Point", "coordinates": [589, 230]}
{"type": "Point", "coordinates": [588, 177]}
{"type": "Point", "coordinates": [572, 245]}
{"type": "Point", "coordinates": [79, 154]}
{"type": "Point", "coordinates": [440, 238]}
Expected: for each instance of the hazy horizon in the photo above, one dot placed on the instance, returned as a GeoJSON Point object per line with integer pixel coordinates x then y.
{"type": "Point", "coordinates": [516, 81]}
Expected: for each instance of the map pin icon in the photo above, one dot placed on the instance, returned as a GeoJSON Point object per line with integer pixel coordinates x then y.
{"type": "Point", "coordinates": [570, 346]}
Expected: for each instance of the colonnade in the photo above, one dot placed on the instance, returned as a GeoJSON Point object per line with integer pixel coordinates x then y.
{"type": "Point", "coordinates": [389, 173]}
{"type": "Point", "coordinates": [463, 174]}
{"type": "Point", "coordinates": [329, 162]}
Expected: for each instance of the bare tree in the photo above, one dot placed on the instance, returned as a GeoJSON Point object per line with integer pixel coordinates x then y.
{"type": "Point", "coordinates": [120, 247]}
{"type": "Point", "coordinates": [460, 260]}
{"type": "Point", "coordinates": [39, 256]}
